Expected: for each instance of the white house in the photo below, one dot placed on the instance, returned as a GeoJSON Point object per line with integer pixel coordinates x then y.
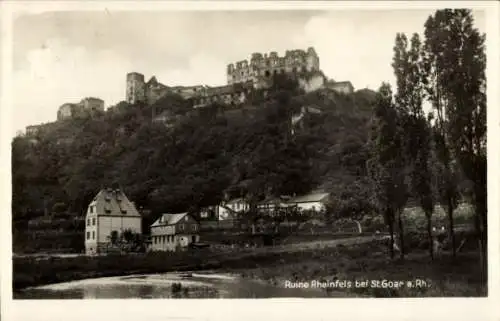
{"type": "Point", "coordinates": [312, 201]}
{"type": "Point", "coordinates": [171, 232]}
{"type": "Point", "coordinates": [230, 209]}
{"type": "Point", "coordinates": [109, 211]}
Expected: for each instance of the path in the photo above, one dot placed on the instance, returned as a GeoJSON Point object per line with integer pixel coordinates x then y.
{"type": "Point", "coordinates": [316, 244]}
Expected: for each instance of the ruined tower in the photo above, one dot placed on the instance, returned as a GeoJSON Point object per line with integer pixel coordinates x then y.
{"type": "Point", "coordinates": [135, 88]}
{"type": "Point", "coordinates": [264, 66]}
{"type": "Point", "coordinates": [312, 60]}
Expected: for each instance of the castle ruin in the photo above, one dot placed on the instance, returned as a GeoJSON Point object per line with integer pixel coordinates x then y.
{"type": "Point", "coordinates": [86, 107]}
{"type": "Point", "coordinates": [262, 67]}
{"type": "Point", "coordinates": [242, 77]}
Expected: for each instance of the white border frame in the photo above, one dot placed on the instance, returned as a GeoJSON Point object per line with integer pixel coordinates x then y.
{"type": "Point", "coordinates": [277, 309]}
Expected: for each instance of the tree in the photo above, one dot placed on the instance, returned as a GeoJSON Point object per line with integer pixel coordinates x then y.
{"type": "Point", "coordinates": [386, 164]}
{"type": "Point", "coordinates": [352, 201]}
{"type": "Point", "coordinates": [128, 236]}
{"type": "Point", "coordinates": [455, 72]}
{"type": "Point", "coordinates": [409, 97]}
{"type": "Point", "coordinates": [113, 237]}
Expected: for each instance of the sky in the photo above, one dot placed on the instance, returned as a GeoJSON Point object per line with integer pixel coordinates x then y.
{"type": "Point", "coordinates": [61, 57]}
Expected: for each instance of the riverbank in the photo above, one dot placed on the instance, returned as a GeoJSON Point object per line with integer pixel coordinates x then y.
{"type": "Point", "coordinates": [348, 274]}
{"type": "Point", "coordinates": [361, 259]}
{"type": "Point", "coordinates": [31, 271]}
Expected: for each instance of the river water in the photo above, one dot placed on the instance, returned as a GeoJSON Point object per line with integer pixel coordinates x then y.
{"type": "Point", "coordinates": [166, 285]}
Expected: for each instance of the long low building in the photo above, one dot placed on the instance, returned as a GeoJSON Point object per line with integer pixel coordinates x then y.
{"type": "Point", "coordinates": [237, 207]}
{"type": "Point", "coordinates": [311, 202]}
{"type": "Point", "coordinates": [316, 201]}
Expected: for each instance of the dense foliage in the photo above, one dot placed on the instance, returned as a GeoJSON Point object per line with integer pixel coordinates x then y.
{"type": "Point", "coordinates": [430, 157]}
{"type": "Point", "coordinates": [194, 157]}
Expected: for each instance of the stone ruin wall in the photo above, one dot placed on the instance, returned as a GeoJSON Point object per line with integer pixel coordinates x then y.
{"type": "Point", "coordinates": [265, 66]}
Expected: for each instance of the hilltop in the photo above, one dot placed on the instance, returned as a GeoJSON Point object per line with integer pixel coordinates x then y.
{"type": "Point", "coordinates": [168, 156]}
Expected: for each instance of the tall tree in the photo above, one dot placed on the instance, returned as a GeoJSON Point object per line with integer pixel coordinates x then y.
{"type": "Point", "coordinates": [385, 165]}
{"type": "Point", "coordinates": [409, 98]}
{"type": "Point", "coordinates": [433, 65]}
{"type": "Point", "coordinates": [456, 65]}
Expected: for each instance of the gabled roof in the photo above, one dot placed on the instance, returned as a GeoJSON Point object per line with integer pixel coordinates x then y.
{"type": "Point", "coordinates": [152, 80]}
{"type": "Point", "coordinates": [312, 197]}
{"type": "Point", "coordinates": [169, 219]}
{"type": "Point", "coordinates": [113, 202]}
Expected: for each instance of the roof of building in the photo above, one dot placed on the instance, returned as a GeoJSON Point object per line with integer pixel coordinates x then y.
{"type": "Point", "coordinates": [92, 98]}
{"type": "Point", "coordinates": [152, 80]}
{"type": "Point", "coordinates": [314, 109]}
{"type": "Point", "coordinates": [339, 83]}
{"type": "Point", "coordinates": [236, 200]}
{"type": "Point", "coordinates": [312, 197]}
{"type": "Point", "coordinates": [113, 202]}
{"type": "Point", "coordinates": [67, 105]}
{"type": "Point", "coordinates": [169, 219]}
{"type": "Point", "coordinates": [280, 201]}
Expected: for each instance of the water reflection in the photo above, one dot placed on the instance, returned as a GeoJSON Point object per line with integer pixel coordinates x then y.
{"type": "Point", "coordinates": [199, 285]}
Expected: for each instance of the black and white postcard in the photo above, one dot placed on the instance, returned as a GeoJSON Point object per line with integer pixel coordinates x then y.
{"type": "Point", "coordinates": [276, 152]}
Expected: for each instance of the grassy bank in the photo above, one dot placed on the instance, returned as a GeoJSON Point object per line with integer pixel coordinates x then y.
{"type": "Point", "coordinates": [366, 261]}
{"type": "Point", "coordinates": [444, 276]}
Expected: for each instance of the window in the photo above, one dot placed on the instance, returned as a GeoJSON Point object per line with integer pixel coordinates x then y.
{"type": "Point", "coordinates": [91, 209]}
{"type": "Point", "coordinates": [93, 235]}
{"type": "Point", "coordinates": [88, 221]}
{"type": "Point", "coordinates": [181, 227]}
{"type": "Point", "coordinates": [93, 221]}
{"type": "Point", "coordinates": [195, 227]}
{"type": "Point", "coordinates": [88, 235]}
